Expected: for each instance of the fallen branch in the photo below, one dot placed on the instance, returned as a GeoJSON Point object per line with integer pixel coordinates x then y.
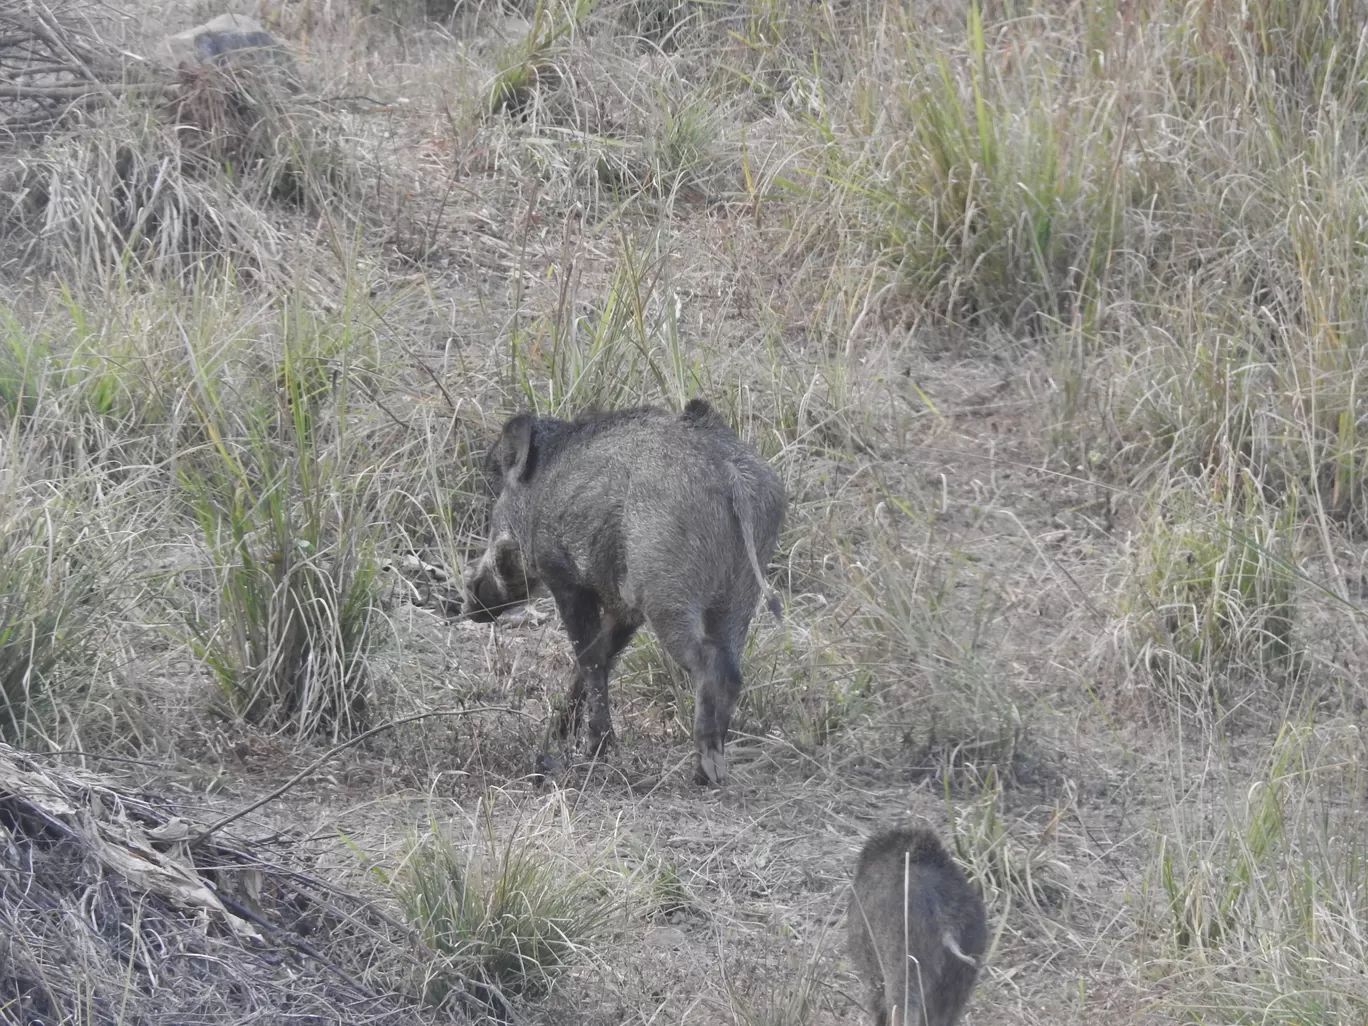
{"type": "Point", "coordinates": [237, 908]}
{"type": "Point", "coordinates": [208, 832]}
{"type": "Point", "coordinates": [76, 92]}
{"type": "Point", "coordinates": [107, 870]}
{"type": "Point", "coordinates": [57, 802]}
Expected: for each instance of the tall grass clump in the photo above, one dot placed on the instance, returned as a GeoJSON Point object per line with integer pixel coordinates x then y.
{"type": "Point", "coordinates": [625, 350]}
{"type": "Point", "coordinates": [1256, 391]}
{"type": "Point", "coordinates": [800, 687]}
{"type": "Point", "coordinates": [533, 63]}
{"type": "Point", "coordinates": [182, 186]}
{"type": "Point", "coordinates": [1231, 314]}
{"type": "Point", "coordinates": [794, 997]}
{"type": "Point", "coordinates": [1322, 364]}
{"type": "Point", "coordinates": [1197, 395]}
{"type": "Point", "coordinates": [684, 151]}
{"type": "Point", "coordinates": [68, 400]}
{"type": "Point", "coordinates": [283, 519]}
{"type": "Point", "coordinates": [987, 179]}
{"type": "Point", "coordinates": [1246, 353]}
{"type": "Point", "coordinates": [124, 374]}
{"type": "Point", "coordinates": [100, 382]}
{"type": "Point", "coordinates": [25, 358]}
{"type": "Point", "coordinates": [51, 598]}
{"type": "Point", "coordinates": [1211, 604]}
{"type": "Point", "coordinates": [1260, 887]}
{"type": "Point", "coordinates": [1011, 872]}
{"type": "Point", "coordinates": [934, 654]}
{"type": "Point", "coordinates": [500, 918]}
{"type": "Point", "coordinates": [1306, 50]}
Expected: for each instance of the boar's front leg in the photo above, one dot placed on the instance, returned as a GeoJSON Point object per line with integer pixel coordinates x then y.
{"type": "Point", "coordinates": [579, 613]}
{"type": "Point", "coordinates": [597, 639]}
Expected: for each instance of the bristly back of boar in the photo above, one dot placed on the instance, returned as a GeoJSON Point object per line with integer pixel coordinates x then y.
{"type": "Point", "coordinates": [917, 930]}
{"type": "Point", "coordinates": [629, 517]}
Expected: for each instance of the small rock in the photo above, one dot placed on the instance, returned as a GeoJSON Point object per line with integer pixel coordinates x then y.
{"type": "Point", "coordinates": [500, 32]}
{"type": "Point", "coordinates": [233, 38]}
{"type": "Point", "coordinates": [665, 938]}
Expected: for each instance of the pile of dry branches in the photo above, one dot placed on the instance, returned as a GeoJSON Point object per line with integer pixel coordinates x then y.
{"type": "Point", "coordinates": [120, 160]}
{"type": "Point", "coordinates": [114, 908]}
{"type": "Point", "coordinates": [52, 62]}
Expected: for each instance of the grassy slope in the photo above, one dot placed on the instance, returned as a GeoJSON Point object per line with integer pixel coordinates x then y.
{"type": "Point", "coordinates": [1052, 321]}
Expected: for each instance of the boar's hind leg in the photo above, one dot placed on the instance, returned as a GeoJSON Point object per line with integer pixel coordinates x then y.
{"type": "Point", "coordinates": [708, 650]}
{"type": "Point", "coordinates": [716, 688]}
{"type": "Point", "coordinates": [597, 640]}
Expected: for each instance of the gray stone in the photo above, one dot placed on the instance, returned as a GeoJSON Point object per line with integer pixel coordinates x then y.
{"type": "Point", "coordinates": [228, 39]}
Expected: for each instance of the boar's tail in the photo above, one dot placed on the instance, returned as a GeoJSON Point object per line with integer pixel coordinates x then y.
{"type": "Point", "coordinates": [952, 945]}
{"type": "Point", "coordinates": [741, 506]}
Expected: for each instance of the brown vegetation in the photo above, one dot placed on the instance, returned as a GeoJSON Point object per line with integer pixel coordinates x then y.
{"type": "Point", "coordinates": [1050, 317]}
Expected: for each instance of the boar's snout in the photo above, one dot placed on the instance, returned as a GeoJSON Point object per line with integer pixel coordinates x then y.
{"type": "Point", "coordinates": [482, 599]}
{"type": "Point", "coordinates": [499, 582]}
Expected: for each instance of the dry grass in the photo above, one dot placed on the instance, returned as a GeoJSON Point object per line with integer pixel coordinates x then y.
{"type": "Point", "coordinates": [1050, 316]}
{"type": "Point", "coordinates": [110, 916]}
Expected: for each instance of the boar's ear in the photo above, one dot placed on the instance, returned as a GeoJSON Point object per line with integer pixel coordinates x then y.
{"type": "Point", "coordinates": [515, 449]}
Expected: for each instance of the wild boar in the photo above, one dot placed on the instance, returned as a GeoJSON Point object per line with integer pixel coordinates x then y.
{"type": "Point", "coordinates": [917, 930]}
{"type": "Point", "coordinates": [630, 517]}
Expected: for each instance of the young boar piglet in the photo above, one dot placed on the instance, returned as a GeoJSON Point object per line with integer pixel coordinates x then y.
{"type": "Point", "coordinates": [917, 930]}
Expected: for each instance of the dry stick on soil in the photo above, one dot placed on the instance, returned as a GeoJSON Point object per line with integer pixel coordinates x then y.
{"type": "Point", "coordinates": [295, 941]}
{"type": "Point", "coordinates": [438, 382]}
{"type": "Point", "coordinates": [76, 92]}
{"type": "Point", "coordinates": [205, 834]}
{"type": "Point", "coordinates": [1056, 568]}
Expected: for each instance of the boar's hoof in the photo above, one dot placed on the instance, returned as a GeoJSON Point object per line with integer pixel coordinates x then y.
{"type": "Point", "coordinates": [548, 768]}
{"type": "Point", "coordinates": [597, 744]}
{"type": "Point", "coordinates": [712, 767]}
{"type": "Point", "coordinates": [568, 721]}
{"type": "Point", "coordinates": [478, 613]}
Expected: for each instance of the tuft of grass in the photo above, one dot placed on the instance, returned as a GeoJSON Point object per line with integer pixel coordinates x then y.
{"type": "Point", "coordinates": [656, 882]}
{"type": "Point", "coordinates": [501, 918]}
{"type": "Point", "coordinates": [1213, 593]}
{"type": "Point", "coordinates": [51, 590]}
{"type": "Point", "coordinates": [627, 350]}
{"type": "Point", "coordinates": [183, 189]}
{"type": "Point", "coordinates": [24, 358]}
{"type": "Point", "coordinates": [1298, 47]}
{"type": "Point", "coordinates": [669, 895]}
{"type": "Point", "coordinates": [1261, 904]}
{"type": "Point", "coordinates": [532, 64]}
{"type": "Point", "coordinates": [790, 999]}
{"type": "Point", "coordinates": [941, 647]}
{"type": "Point", "coordinates": [294, 575]}
{"type": "Point", "coordinates": [795, 995]}
{"type": "Point", "coordinates": [1011, 873]}
{"type": "Point", "coordinates": [996, 197]}
{"type": "Point", "coordinates": [646, 672]}
{"type": "Point", "coordinates": [659, 22]}
{"type": "Point", "coordinates": [800, 689]}
{"type": "Point", "coordinates": [684, 150]}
